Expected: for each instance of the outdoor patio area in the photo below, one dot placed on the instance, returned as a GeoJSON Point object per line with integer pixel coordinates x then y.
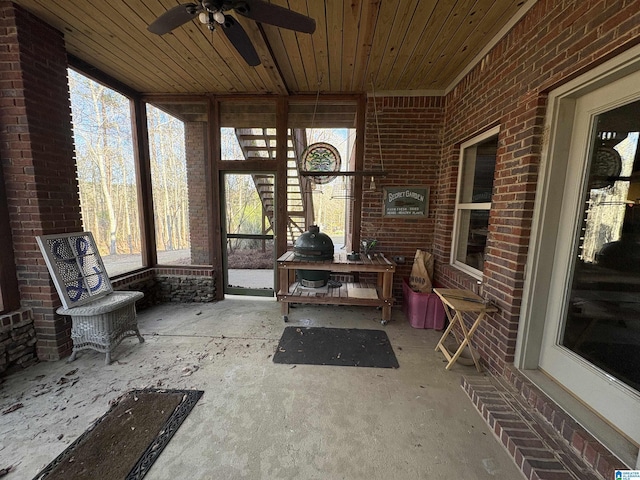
{"type": "Point", "coordinates": [258, 419]}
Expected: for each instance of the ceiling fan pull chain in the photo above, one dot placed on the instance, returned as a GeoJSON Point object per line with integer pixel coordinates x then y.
{"type": "Point", "coordinates": [375, 110]}
{"type": "Point", "coordinates": [315, 107]}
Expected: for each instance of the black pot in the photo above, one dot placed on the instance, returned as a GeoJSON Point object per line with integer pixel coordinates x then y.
{"type": "Point", "coordinates": [313, 246]}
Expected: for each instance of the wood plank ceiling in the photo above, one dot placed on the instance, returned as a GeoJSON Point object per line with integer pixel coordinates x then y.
{"type": "Point", "coordinates": [358, 45]}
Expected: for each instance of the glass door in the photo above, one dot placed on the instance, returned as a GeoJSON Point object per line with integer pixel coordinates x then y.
{"type": "Point", "coordinates": [592, 334]}
{"type": "Point", "coordinates": [248, 236]}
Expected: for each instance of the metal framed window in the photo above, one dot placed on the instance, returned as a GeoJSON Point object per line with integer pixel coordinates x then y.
{"type": "Point", "coordinates": [473, 202]}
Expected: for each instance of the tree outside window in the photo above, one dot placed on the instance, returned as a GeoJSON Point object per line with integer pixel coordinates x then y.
{"type": "Point", "coordinates": [106, 171]}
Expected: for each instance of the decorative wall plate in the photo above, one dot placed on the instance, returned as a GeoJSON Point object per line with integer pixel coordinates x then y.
{"type": "Point", "coordinates": [606, 165]}
{"type": "Point", "coordinates": [321, 157]}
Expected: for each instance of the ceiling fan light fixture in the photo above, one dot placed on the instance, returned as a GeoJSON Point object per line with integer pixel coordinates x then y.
{"type": "Point", "coordinates": [219, 17]}
{"type": "Point", "coordinates": [211, 13]}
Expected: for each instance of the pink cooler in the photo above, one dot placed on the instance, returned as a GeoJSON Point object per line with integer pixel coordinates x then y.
{"type": "Point", "coordinates": [424, 310]}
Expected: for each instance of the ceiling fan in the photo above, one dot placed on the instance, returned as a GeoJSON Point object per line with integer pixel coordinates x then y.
{"type": "Point", "coordinates": [212, 14]}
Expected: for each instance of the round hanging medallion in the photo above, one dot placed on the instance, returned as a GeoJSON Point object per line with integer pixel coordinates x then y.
{"type": "Point", "coordinates": [321, 157]}
{"type": "Point", "coordinates": [606, 165]}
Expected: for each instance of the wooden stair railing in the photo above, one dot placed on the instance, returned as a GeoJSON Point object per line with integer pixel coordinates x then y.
{"type": "Point", "coordinates": [261, 143]}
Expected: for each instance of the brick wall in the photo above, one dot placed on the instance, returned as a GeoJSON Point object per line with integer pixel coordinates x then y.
{"type": "Point", "coordinates": [37, 154]}
{"type": "Point", "coordinates": [553, 43]}
{"type": "Point", "coordinates": [410, 135]}
{"type": "Point", "coordinates": [182, 284]}
{"type": "Point", "coordinates": [17, 341]}
{"type": "Point", "coordinates": [195, 143]}
{"type": "Point", "coordinates": [143, 281]}
{"type": "Point", "coordinates": [186, 285]}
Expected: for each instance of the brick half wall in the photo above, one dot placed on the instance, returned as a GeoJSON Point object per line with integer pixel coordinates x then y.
{"type": "Point", "coordinates": [17, 341]}
{"type": "Point", "coordinates": [170, 284]}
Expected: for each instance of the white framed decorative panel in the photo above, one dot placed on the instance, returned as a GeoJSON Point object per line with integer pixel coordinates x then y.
{"type": "Point", "coordinates": [75, 266]}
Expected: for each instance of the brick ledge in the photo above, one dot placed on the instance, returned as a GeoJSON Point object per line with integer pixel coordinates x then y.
{"type": "Point", "coordinates": [538, 450]}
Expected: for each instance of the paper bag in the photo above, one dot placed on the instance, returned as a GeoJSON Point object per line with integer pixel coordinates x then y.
{"type": "Point", "coordinates": [421, 276]}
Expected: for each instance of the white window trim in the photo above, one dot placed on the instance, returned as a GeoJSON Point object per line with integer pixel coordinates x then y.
{"type": "Point", "coordinates": [474, 272]}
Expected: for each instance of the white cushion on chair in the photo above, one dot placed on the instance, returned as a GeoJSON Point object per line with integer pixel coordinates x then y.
{"type": "Point", "coordinates": [111, 302]}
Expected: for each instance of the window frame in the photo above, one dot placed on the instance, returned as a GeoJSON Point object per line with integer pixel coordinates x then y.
{"type": "Point", "coordinates": [461, 207]}
{"type": "Point", "coordinates": [138, 140]}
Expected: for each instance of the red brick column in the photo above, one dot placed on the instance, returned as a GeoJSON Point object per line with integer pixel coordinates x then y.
{"type": "Point", "coordinates": [37, 155]}
{"type": "Point", "coordinates": [195, 142]}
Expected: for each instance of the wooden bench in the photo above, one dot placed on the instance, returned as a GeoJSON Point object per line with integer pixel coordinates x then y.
{"type": "Point", "coordinates": [374, 295]}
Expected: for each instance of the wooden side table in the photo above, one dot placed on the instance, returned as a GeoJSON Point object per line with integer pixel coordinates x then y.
{"type": "Point", "coordinates": [456, 303]}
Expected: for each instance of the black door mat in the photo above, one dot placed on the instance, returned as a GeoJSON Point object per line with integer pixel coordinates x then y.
{"type": "Point", "coordinates": [125, 441]}
{"type": "Point", "coordinates": [348, 347]}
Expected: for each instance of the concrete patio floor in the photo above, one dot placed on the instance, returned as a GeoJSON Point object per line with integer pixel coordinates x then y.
{"type": "Point", "coordinates": [257, 419]}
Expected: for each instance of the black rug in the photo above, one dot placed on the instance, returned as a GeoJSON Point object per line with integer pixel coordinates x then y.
{"type": "Point", "coordinates": [125, 441]}
{"type": "Point", "coordinates": [347, 347]}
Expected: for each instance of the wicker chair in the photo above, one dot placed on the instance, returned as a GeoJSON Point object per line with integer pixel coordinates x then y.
{"type": "Point", "coordinates": [100, 316]}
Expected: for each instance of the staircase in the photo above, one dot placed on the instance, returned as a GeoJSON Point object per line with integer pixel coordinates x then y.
{"type": "Point", "coordinates": [261, 143]}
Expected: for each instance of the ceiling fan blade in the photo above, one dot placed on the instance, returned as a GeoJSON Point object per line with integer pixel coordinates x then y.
{"type": "Point", "coordinates": [240, 40]}
{"type": "Point", "coordinates": [276, 15]}
{"type": "Point", "coordinates": [173, 18]}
